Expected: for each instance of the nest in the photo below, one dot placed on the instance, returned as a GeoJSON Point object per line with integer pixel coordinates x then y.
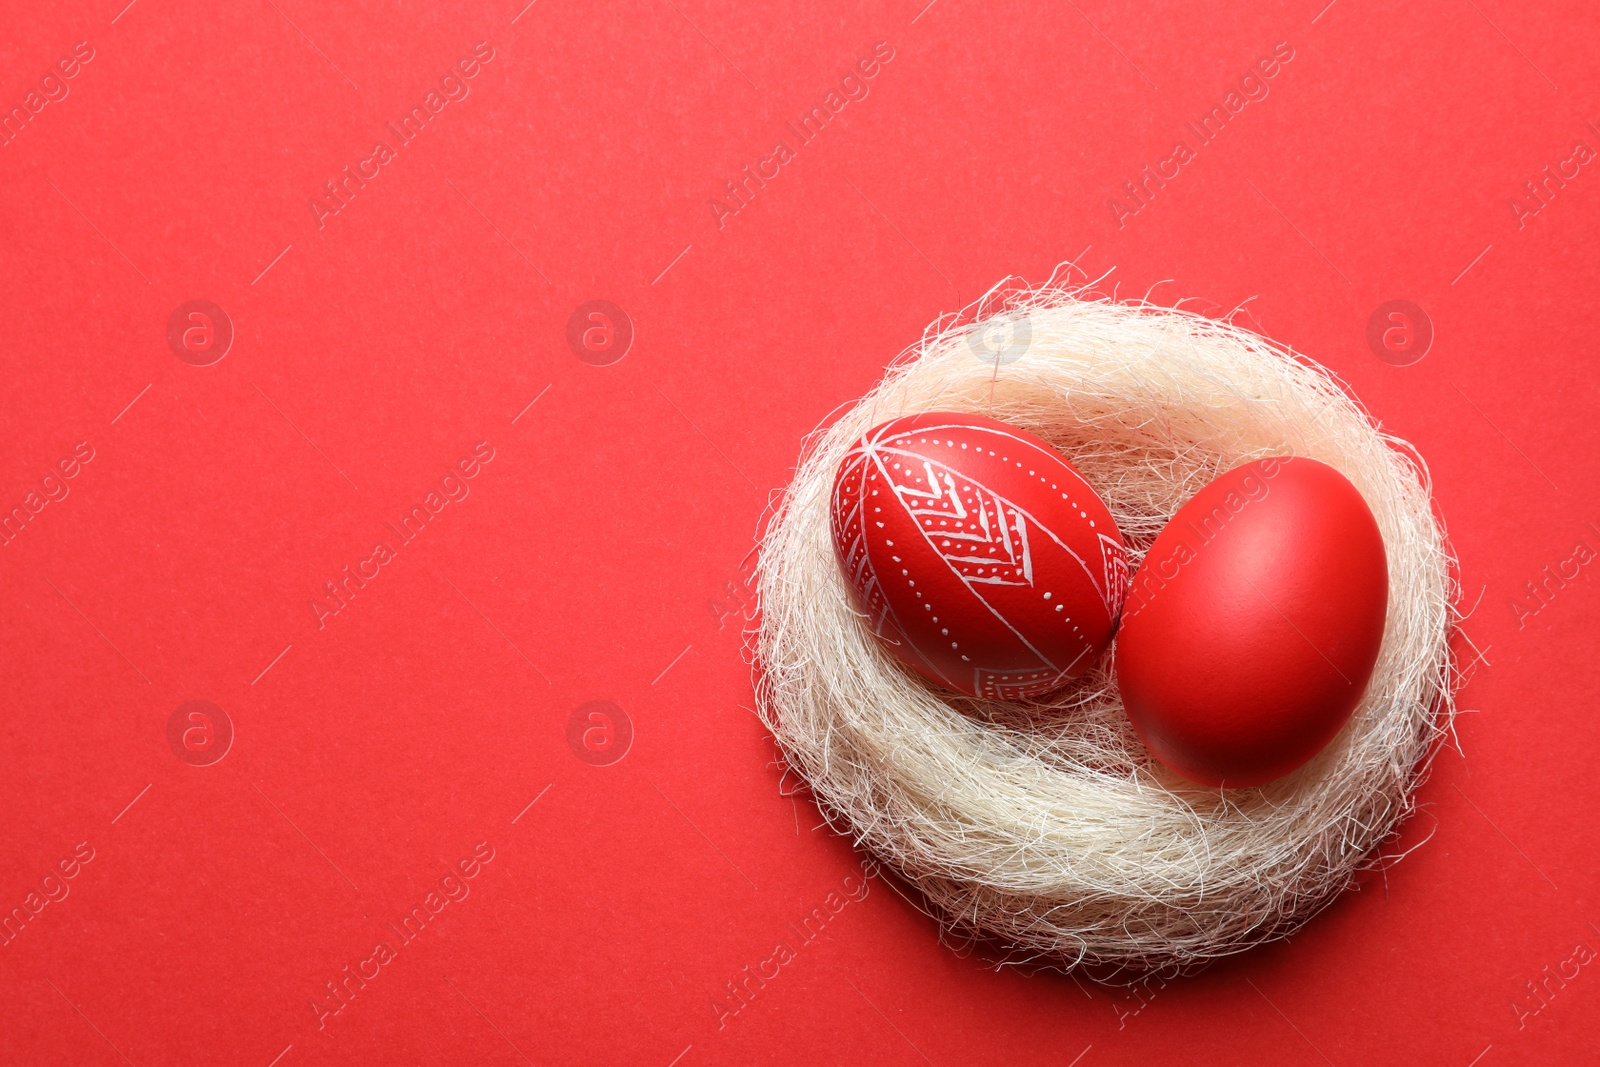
{"type": "Point", "coordinates": [1046, 825]}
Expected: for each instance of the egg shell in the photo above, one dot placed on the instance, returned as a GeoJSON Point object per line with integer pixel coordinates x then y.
{"type": "Point", "coordinates": [1253, 624]}
{"type": "Point", "coordinates": [978, 553]}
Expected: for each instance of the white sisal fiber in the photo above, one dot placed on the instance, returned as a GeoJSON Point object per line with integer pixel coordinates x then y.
{"type": "Point", "coordinates": [1046, 825]}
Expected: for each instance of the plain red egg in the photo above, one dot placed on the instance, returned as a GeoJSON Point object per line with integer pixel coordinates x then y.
{"type": "Point", "coordinates": [978, 554]}
{"type": "Point", "coordinates": [1252, 626]}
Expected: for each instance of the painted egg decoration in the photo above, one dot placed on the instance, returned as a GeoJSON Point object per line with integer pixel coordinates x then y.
{"type": "Point", "coordinates": [979, 555]}
{"type": "Point", "coordinates": [1253, 624]}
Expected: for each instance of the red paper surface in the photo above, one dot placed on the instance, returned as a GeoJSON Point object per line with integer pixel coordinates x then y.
{"type": "Point", "coordinates": [601, 554]}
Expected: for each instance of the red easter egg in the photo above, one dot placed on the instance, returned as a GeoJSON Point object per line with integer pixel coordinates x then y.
{"type": "Point", "coordinates": [1253, 624]}
{"type": "Point", "coordinates": [978, 554]}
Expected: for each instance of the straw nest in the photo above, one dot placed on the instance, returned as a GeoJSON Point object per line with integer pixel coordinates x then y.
{"type": "Point", "coordinates": [1046, 825]}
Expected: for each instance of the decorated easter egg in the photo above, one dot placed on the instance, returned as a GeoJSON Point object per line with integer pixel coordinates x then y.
{"type": "Point", "coordinates": [977, 553]}
{"type": "Point", "coordinates": [1253, 624]}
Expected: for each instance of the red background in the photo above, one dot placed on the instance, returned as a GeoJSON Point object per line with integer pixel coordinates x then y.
{"type": "Point", "coordinates": [599, 555]}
